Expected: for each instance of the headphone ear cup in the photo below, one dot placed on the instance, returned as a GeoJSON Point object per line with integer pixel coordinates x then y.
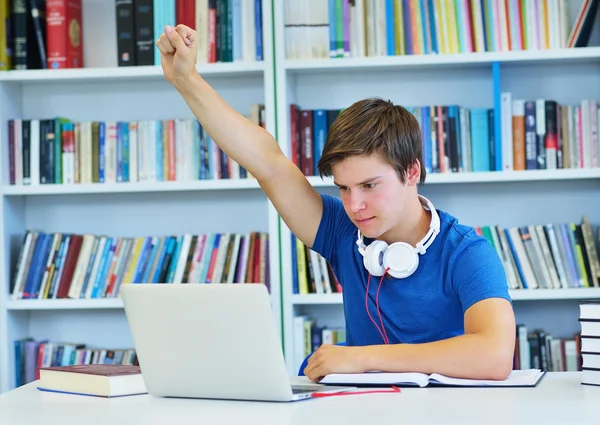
{"type": "Point", "coordinates": [401, 259]}
{"type": "Point", "coordinates": [373, 258]}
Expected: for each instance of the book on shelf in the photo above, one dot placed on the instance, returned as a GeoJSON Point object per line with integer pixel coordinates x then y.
{"type": "Point", "coordinates": [308, 130]}
{"type": "Point", "coordinates": [548, 256]}
{"type": "Point", "coordinates": [311, 273]}
{"type": "Point", "coordinates": [63, 151]}
{"type": "Point", "coordinates": [63, 265]}
{"type": "Point", "coordinates": [98, 380]}
{"type": "Point", "coordinates": [539, 134]}
{"type": "Point", "coordinates": [589, 319]}
{"type": "Point", "coordinates": [517, 378]}
{"type": "Point", "coordinates": [228, 31]}
{"type": "Point", "coordinates": [31, 355]}
{"type": "Point", "coordinates": [309, 335]}
{"type": "Point", "coordinates": [545, 134]}
{"type": "Point", "coordinates": [362, 28]}
{"type": "Point", "coordinates": [45, 34]}
{"type": "Point", "coordinates": [48, 34]}
{"type": "Point", "coordinates": [539, 349]}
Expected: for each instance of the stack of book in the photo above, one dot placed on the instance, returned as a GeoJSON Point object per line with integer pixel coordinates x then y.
{"type": "Point", "coordinates": [589, 317]}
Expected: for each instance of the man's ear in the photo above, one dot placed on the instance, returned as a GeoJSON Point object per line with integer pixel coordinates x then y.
{"type": "Point", "coordinates": [413, 174]}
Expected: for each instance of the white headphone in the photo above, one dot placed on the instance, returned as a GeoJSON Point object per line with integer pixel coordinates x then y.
{"type": "Point", "coordinates": [401, 257]}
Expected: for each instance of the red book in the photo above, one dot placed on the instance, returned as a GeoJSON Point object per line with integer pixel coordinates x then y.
{"type": "Point", "coordinates": [64, 33]}
{"type": "Point", "coordinates": [185, 13]}
{"type": "Point", "coordinates": [69, 266]}
{"type": "Point", "coordinates": [212, 31]}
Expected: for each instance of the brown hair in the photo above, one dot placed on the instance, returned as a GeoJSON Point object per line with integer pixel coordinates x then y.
{"type": "Point", "coordinates": [374, 126]}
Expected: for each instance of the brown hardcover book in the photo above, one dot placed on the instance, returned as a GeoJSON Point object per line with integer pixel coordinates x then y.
{"type": "Point", "coordinates": [228, 259]}
{"type": "Point", "coordinates": [69, 267]}
{"type": "Point", "coordinates": [100, 380]}
{"type": "Point", "coordinates": [306, 141]}
{"type": "Point", "coordinates": [251, 253]}
{"type": "Point", "coordinates": [518, 127]}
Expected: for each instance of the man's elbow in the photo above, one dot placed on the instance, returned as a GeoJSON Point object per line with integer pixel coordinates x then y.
{"type": "Point", "coordinates": [500, 367]}
{"type": "Point", "coordinates": [500, 361]}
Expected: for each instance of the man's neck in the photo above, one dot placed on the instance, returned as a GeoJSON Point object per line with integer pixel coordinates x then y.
{"type": "Point", "coordinates": [413, 227]}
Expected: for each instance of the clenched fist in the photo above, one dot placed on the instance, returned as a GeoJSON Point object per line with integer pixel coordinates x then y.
{"type": "Point", "coordinates": [178, 49]}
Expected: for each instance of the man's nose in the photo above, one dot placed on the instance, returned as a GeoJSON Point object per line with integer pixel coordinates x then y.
{"type": "Point", "coordinates": [356, 202]}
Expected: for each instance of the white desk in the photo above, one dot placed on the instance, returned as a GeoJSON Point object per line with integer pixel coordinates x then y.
{"type": "Point", "coordinates": [558, 399]}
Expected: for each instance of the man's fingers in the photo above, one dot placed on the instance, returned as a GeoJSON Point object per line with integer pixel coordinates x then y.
{"type": "Point", "coordinates": [164, 44]}
{"type": "Point", "coordinates": [160, 46]}
{"type": "Point", "coordinates": [309, 367]}
{"type": "Point", "coordinates": [174, 38]}
{"type": "Point", "coordinates": [312, 371]}
{"type": "Point", "coordinates": [315, 376]}
{"type": "Point", "coordinates": [186, 33]}
{"type": "Point", "coordinates": [310, 374]}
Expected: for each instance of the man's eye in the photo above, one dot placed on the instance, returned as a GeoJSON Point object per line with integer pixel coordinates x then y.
{"type": "Point", "coordinates": [369, 185]}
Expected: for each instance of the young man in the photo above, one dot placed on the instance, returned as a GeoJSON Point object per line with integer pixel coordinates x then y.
{"type": "Point", "coordinates": [445, 309]}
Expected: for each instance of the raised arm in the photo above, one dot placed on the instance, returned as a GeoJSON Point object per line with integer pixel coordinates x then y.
{"type": "Point", "coordinates": [248, 144]}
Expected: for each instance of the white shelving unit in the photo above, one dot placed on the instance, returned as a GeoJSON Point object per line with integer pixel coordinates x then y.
{"type": "Point", "coordinates": [64, 304]}
{"type": "Point", "coordinates": [494, 198]}
{"type": "Point", "coordinates": [141, 187]}
{"type": "Point", "coordinates": [516, 295]}
{"type": "Point", "coordinates": [104, 92]}
{"type": "Point", "coordinates": [113, 73]}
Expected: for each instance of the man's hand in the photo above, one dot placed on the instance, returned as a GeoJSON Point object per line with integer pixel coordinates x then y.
{"type": "Point", "coordinates": [329, 359]}
{"type": "Point", "coordinates": [178, 50]}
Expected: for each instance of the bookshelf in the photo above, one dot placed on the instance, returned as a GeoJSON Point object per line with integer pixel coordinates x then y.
{"type": "Point", "coordinates": [124, 74]}
{"type": "Point", "coordinates": [516, 295]}
{"type": "Point", "coordinates": [102, 91]}
{"type": "Point", "coordinates": [472, 80]}
{"type": "Point", "coordinates": [64, 304]}
{"type": "Point", "coordinates": [138, 187]}
{"type": "Point", "coordinates": [455, 60]}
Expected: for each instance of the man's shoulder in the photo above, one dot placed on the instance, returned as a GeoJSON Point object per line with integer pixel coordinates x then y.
{"type": "Point", "coordinates": [458, 237]}
{"type": "Point", "coordinates": [473, 266]}
{"type": "Point", "coordinates": [453, 231]}
{"type": "Point", "coordinates": [334, 229]}
{"type": "Point", "coordinates": [334, 210]}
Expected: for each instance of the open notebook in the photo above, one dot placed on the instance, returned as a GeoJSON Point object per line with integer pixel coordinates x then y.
{"type": "Point", "coordinates": [517, 378]}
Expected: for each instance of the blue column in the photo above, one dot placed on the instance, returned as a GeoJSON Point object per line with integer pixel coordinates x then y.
{"type": "Point", "coordinates": [497, 147]}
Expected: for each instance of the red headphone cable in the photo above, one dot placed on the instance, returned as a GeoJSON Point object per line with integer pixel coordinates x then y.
{"type": "Point", "coordinates": [382, 331]}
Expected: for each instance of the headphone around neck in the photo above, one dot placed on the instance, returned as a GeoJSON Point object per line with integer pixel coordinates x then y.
{"type": "Point", "coordinates": [401, 258]}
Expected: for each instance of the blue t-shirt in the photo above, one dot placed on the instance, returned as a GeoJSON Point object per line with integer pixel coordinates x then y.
{"type": "Point", "coordinates": [459, 269]}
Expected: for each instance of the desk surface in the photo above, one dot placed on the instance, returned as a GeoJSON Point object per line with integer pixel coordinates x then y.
{"type": "Point", "coordinates": [558, 399]}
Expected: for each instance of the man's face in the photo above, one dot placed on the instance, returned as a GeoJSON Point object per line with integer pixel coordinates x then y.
{"type": "Point", "coordinates": [372, 193]}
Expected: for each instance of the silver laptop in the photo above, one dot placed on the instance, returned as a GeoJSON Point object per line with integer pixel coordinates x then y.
{"type": "Point", "coordinates": [213, 341]}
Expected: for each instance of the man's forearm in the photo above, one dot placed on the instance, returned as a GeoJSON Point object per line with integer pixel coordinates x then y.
{"type": "Point", "coordinates": [243, 141]}
{"type": "Point", "coordinates": [473, 356]}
